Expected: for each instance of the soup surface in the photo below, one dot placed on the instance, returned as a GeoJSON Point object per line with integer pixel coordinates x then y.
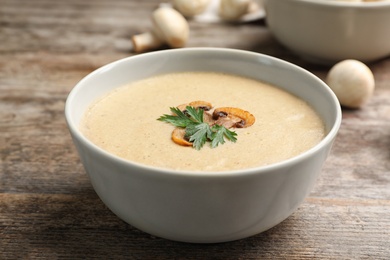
{"type": "Point", "coordinates": [124, 122]}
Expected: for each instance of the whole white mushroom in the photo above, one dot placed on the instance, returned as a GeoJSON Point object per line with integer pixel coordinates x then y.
{"type": "Point", "coordinates": [169, 27]}
{"type": "Point", "coordinates": [352, 82]}
{"type": "Point", "coordinates": [231, 10]}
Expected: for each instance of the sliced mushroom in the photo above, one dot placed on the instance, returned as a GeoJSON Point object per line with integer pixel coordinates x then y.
{"type": "Point", "coordinates": [233, 117]}
{"type": "Point", "coordinates": [227, 122]}
{"type": "Point", "coordinates": [178, 136]}
{"type": "Point", "coordinates": [225, 116]}
{"type": "Point", "coordinates": [208, 118]}
{"type": "Point", "coordinates": [206, 106]}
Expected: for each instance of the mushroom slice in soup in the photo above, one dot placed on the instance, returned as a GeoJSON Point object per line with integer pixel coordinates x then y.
{"type": "Point", "coordinates": [233, 117]}
{"type": "Point", "coordinates": [178, 136]}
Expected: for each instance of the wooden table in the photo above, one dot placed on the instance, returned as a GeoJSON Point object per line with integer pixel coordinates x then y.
{"type": "Point", "coordinates": [48, 208]}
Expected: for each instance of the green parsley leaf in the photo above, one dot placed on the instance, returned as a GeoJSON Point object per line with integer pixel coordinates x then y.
{"type": "Point", "coordinates": [197, 131]}
{"type": "Point", "coordinates": [219, 132]}
{"type": "Point", "coordinates": [198, 134]}
{"type": "Point", "coordinates": [195, 114]}
{"type": "Point", "coordinates": [179, 119]}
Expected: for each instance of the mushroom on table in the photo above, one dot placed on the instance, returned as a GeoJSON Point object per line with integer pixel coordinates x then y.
{"type": "Point", "coordinates": [233, 9]}
{"type": "Point", "coordinates": [191, 8]}
{"type": "Point", "coordinates": [352, 82]}
{"type": "Point", "coordinates": [169, 27]}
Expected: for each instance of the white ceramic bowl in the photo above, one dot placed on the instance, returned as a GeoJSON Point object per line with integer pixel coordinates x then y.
{"type": "Point", "coordinates": [207, 207]}
{"type": "Point", "coordinates": [328, 31]}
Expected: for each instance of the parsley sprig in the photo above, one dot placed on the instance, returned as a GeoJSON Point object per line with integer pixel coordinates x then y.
{"type": "Point", "coordinates": [197, 131]}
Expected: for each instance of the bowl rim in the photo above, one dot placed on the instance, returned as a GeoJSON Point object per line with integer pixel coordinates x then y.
{"type": "Point", "coordinates": [327, 140]}
{"type": "Point", "coordinates": [360, 5]}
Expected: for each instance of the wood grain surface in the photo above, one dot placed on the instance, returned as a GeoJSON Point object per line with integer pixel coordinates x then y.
{"type": "Point", "coordinates": [48, 208]}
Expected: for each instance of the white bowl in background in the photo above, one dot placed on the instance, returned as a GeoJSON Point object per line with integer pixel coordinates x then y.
{"type": "Point", "coordinates": [211, 206]}
{"type": "Point", "coordinates": [328, 31]}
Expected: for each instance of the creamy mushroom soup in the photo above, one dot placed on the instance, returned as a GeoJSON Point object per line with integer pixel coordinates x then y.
{"type": "Point", "coordinates": [124, 122]}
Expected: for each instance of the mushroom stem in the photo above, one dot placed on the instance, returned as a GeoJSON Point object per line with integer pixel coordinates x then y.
{"type": "Point", "coordinates": [145, 41]}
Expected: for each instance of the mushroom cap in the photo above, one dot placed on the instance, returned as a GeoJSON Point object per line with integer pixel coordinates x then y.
{"type": "Point", "coordinates": [170, 26]}
{"type": "Point", "coordinates": [190, 8]}
{"type": "Point", "coordinates": [352, 82]}
{"type": "Point", "coordinates": [233, 9]}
